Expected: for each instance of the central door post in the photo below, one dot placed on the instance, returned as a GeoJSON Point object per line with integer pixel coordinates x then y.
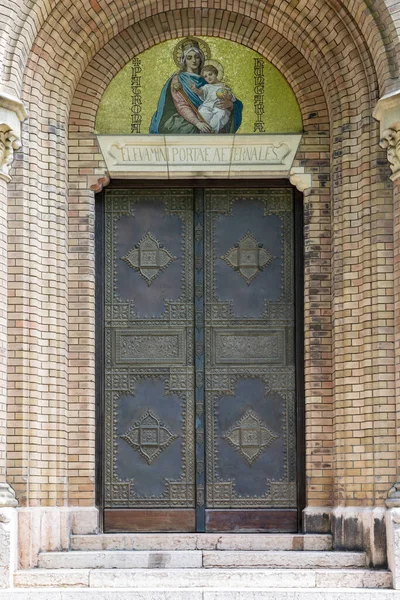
{"type": "Point", "coordinates": [199, 355]}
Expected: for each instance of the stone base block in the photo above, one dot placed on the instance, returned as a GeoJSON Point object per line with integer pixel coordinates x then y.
{"type": "Point", "coordinates": [317, 519]}
{"type": "Point", "coordinates": [49, 529]}
{"type": "Point", "coordinates": [8, 546]}
{"type": "Point", "coordinates": [360, 529]}
{"type": "Point", "coordinates": [393, 544]}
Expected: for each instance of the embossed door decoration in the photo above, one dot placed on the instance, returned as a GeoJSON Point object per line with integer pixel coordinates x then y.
{"type": "Point", "coordinates": [199, 376]}
{"type": "Point", "coordinates": [249, 360]}
{"type": "Point", "coordinates": [149, 390]}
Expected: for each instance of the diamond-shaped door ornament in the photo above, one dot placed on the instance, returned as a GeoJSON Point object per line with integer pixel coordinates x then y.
{"type": "Point", "coordinates": [148, 258]}
{"type": "Point", "coordinates": [248, 257]}
{"type": "Point", "coordinates": [250, 436]}
{"type": "Point", "coordinates": [149, 436]}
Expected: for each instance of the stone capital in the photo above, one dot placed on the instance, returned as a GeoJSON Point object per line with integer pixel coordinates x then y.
{"type": "Point", "coordinates": [9, 142]}
{"type": "Point", "coordinates": [12, 113]}
{"type": "Point", "coordinates": [387, 112]}
{"type": "Point", "coordinates": [390, 141]}
{"type": "Point", "coordinates": [393, 497]}
{"type": "Point", "coordinates": [7, 497]}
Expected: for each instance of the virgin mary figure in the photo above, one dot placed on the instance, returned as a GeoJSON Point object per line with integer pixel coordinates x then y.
{"type": "Point", "coordinates": [177, 110]}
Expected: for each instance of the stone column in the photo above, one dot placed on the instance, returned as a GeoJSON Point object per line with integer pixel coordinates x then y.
{"type": "Point", "coordinates": [387, 112]}
{"type": "Point", "coordinates": [12, 113]}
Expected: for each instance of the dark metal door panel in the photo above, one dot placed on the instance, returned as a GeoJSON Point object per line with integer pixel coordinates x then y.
{"type": "Point", "coordinates": [249, 360]}
{"type": "Point", "coordinates": [149, 375]}
{"type": "Point", "coordinates": [199, 375]}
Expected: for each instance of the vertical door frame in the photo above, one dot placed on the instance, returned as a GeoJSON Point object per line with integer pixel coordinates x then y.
{"type": "Point", "coordinates": [99, 353]}
{"type": "Point", "coordinates": [299, 355]}
{"type": "Point", "coordinates": [299, 317]}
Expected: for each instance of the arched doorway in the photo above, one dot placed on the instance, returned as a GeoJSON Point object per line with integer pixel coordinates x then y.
{"type": "Point", "coordinates": [200, 374]}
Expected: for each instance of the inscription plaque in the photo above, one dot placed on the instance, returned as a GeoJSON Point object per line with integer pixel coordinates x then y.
{"type": "Point", "coordinates": [264, 155]}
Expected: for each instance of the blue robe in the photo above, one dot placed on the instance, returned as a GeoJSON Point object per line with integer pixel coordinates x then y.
{"type": "Point", "coordinates": [166, 118]}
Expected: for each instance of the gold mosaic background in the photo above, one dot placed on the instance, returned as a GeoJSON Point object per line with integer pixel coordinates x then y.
{"type": "Point", "coordinates": [282, 113]}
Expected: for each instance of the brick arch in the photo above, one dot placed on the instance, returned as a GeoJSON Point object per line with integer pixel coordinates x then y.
{"type": "Point", "coordinates": [119, 51]}
{"type": "Point", "coordinates": [86, 170]}
{"type": "Point", "coordinates": [57, 70]}
{"type": "Point", "coordinates": [376, 21]}
{"type": "Point", "coordinates": [329, 224]}
{"type": "Point", "coordinates": [93, 25]}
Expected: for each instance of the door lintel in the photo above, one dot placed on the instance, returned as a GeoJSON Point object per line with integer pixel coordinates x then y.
{"type": "Point", "coordinates": [196, 157]}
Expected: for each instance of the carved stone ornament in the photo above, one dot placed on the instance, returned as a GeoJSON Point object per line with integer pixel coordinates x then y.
{"type": "Point", "coordinates": [393, 497]}
{"type": "Point", "coordinates": [12, 114]}
{"type": "Point", "coordinates": [149, 436]}
{"type": "Point", "coordinates": [99, 183]}
{"type": "Point", "coordinates": [248, 257]}
{"type": "Point", "coordinates": [7, 496]}
{"type": "Point", "coordinates": [250, 436]}
{"type": "Point", "coordinates": [149, 258]}
{"type": "Point", "coordinates": [390, 141]}
{"type": "Point", "coordinates": [387, 112]}
{"type": "Point", "coordinates": [300, 179]}
{"type": "Point", "coordinates": [195, 156]}
{"type": "Point", "coordinates": [9, 142]}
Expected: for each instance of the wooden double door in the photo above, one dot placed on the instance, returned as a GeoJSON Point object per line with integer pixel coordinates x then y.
{"type": "Point", "coordinates": [196, 359]}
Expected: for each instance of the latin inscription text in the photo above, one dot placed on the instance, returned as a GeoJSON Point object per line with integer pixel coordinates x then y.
{"type": "Point", "coordinates": [266, 154]}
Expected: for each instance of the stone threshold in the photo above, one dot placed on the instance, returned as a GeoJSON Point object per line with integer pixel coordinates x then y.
{"type": "Point", "coordinates": [169, 579]}
{"type": "Point", "coordinates": [190, 594]}
{"type": "Point", "coordinates": [183, 559]}
{"type": "Point", "coordinates": [201, 541]}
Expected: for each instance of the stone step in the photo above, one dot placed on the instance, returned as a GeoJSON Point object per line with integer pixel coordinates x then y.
{"type": "Point", "coordinates": [201, 541]}
{"type": "Point", "coordinates": [121, 559]}
{"type": "Point", "coordinates": [250, 593]}
{"type": "Point", "coordinates": [179, 559]}
{"type": "Point", "coordinates": [202, 578]}
{"type": "Point", "coordinates": [283, 560]}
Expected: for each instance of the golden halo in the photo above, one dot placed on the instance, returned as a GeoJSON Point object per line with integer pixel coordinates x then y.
{"type": "Point", "coordinates": [217, 65]}
{"type": "Point", "coordinates": [204, 47]}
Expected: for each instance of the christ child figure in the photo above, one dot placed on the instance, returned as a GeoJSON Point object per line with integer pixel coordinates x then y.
{"type": "Point", "coordinates": [212, 93]}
